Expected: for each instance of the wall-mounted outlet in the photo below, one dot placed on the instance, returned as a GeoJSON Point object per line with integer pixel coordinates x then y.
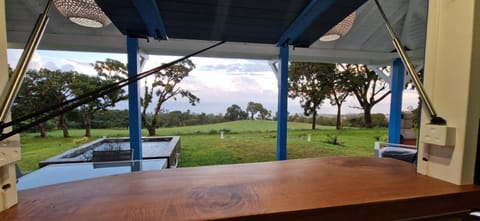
{"type": "Point", "coordinates": [8, 186]}
{"type": "Point", "coordinates": [441, 135]}
{"type": "Point", "coordinates": [9, 154]}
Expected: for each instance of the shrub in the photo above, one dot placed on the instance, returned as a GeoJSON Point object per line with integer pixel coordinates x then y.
{"type": "Point", "coordinates": [333, 139]}
{"type": "Point", "coordinates": [327, 121]}
{"type": "Point", "coordinates": [225, 130]}
{"type": "Point", "coordinates": [81, 140]}
{"type": "Point", "coordinates": [213, 131]}
{"type": "Point", "coordinates": [378, 120]}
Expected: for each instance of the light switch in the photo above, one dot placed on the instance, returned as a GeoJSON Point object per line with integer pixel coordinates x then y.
{"type": "Point", "coordinates": [441, 135]}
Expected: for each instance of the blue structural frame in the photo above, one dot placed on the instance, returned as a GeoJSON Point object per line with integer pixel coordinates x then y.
{"type": "Point", "coordinates": [282, 105]}
{"type": "Point", "coordinates": [313, 10]}
{"type": "Point", "coordinates": [396, 87]}
{"type": "Point", "coordinates": [135, 127]}
{"type": "Point", "coordinates": [151, 17]}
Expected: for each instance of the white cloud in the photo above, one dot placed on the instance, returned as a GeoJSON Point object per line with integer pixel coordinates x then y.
{"type": "Point", "coordinates": [14, 57]}
{"type": "Point", "coordinates": [53, 60]}
{"type": "Point", "coordinates": [67, 67]}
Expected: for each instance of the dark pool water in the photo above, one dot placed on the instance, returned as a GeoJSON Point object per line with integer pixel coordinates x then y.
{"type": "Point", "coordinates": [149, 149]}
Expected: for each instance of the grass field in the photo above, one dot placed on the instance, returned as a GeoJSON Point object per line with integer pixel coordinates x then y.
{"type": "Point", "coordinates": [246, 141]}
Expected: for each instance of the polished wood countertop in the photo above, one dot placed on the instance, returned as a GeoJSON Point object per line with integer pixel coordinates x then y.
{"type": "Point", "coordinates": [342, 188]}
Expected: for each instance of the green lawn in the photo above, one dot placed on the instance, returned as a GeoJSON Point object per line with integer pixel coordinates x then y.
{"type": "Point", "coordinates": [261, 146]}
{"type": "Point", "coordinates": [247, 141]}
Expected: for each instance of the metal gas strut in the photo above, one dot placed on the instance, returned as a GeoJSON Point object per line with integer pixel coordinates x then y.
{"type": "Point", "coordinates": [434, 118]}
{"type": "Point", "coordinates": [10, 91]}
{"type": "Point", "coordinates": [51, 112]}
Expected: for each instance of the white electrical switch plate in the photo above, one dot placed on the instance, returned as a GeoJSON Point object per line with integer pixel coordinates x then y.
{"type": "Point", "coordinates": [9, 154]}
{"type": "Point", "coordinates": [8, 187]}
{"type": "Point", "coordinates": [441, 135]}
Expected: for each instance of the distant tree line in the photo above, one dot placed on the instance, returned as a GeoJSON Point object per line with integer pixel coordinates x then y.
{"type": "Point", "coordinates": [187, 118]}
{"type": "Point", "coordinates": [254, 111]}
{"type": "Point", "coordinates": [119, 119]}
{"type": "Point", "coordinates": [351, 120]}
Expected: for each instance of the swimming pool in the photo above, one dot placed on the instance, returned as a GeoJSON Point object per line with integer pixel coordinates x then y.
{"type": "Point", "coordinates": [167, 147]}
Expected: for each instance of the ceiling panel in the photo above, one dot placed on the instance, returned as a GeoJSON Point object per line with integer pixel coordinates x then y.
{"type": "Point", "coordinates": [367, 41]}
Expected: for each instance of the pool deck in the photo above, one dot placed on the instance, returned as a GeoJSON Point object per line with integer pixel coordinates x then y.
{"type": "Point", "coordinates": [342, 188]}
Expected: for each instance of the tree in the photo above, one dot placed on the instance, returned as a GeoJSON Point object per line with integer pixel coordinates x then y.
{"type": "Point", "coordinates": [338, 93]}
{"type": "Point", "coordinates": [310, 83]}
{"type": "Point", "coordinates": [265, 114]}
{"type": "Point", "coordinates": [367, 86]}
{"type": "Point", "coordinates": [58, 82]}
{"type": "Point", "coordinates": [83, 84]}
{"type": "Point", "coordinates": [165, 86]}
{"type": "Point", "coordinates": [40, 90]}
{"type": "Point", "coordinates": [235, 112]}
{"type": "Point", "coordinates": [109, 72]}
{"type": "Point", "coordinates": [30, 98]}
{"type": "Point", "coordinates": [254, 108]}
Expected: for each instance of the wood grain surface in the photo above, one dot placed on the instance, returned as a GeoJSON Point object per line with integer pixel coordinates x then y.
{"type": "Point", "coordinates": [307, 189]}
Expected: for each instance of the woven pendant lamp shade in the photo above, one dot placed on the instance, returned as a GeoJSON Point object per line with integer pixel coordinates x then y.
{"type": "Point", "coordinates": [340, 29]}
{"type": "Point", "coordinates": [83, 12]}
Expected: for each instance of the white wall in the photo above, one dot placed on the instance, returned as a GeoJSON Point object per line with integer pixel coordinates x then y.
{"type": "Point", "coordinates": [452, 80]}
{"type": "Point", "coordinates": [9, 148]}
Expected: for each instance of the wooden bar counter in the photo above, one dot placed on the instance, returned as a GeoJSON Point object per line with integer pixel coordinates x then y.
{"type": "Point", "coordinates": [308, 189]}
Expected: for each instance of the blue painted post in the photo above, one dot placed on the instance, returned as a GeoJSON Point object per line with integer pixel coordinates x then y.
{"type": "Point", "coordinates": [396, 87]}
{"type": "Point", "coordinates": [134, 100]}
{"type": "Point", "coordinates": [282, 105]}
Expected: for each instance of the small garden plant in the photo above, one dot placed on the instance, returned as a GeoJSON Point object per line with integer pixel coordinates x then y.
{"type": "Point", "coordinates": [333, 139]}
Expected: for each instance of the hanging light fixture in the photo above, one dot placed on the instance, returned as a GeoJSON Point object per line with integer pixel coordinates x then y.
{"type": "Point", "coordinates": [83, 12]}
{"type": "Point", "coordinates": [340, 29]}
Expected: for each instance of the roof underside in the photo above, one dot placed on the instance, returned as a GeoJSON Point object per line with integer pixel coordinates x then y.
{"type": "Point", "coordinates": [251, 28]}
{"type": "Point", "coordinates": [249, 21]}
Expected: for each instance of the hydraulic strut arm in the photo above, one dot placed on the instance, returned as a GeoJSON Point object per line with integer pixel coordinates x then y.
{"type": "Point", "coordinates": [434, 118]}
{"type": "Point", "coordinates": [13, 86]}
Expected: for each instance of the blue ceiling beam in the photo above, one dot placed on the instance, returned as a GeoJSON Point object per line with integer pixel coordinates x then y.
{"type": "Point", "coordinates": [152, 19]}
{"type": "Point", "coordinates": [302, 23]}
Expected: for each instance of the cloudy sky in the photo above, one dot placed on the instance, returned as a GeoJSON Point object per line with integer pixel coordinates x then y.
{"type": "Point", "coordinates": [218, 82]}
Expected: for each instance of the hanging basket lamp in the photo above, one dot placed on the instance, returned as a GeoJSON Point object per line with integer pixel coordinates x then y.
{"type": "Point", "coordinates": [83, 12]}
{"type": "Point", "coordinates": [339, 30]}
